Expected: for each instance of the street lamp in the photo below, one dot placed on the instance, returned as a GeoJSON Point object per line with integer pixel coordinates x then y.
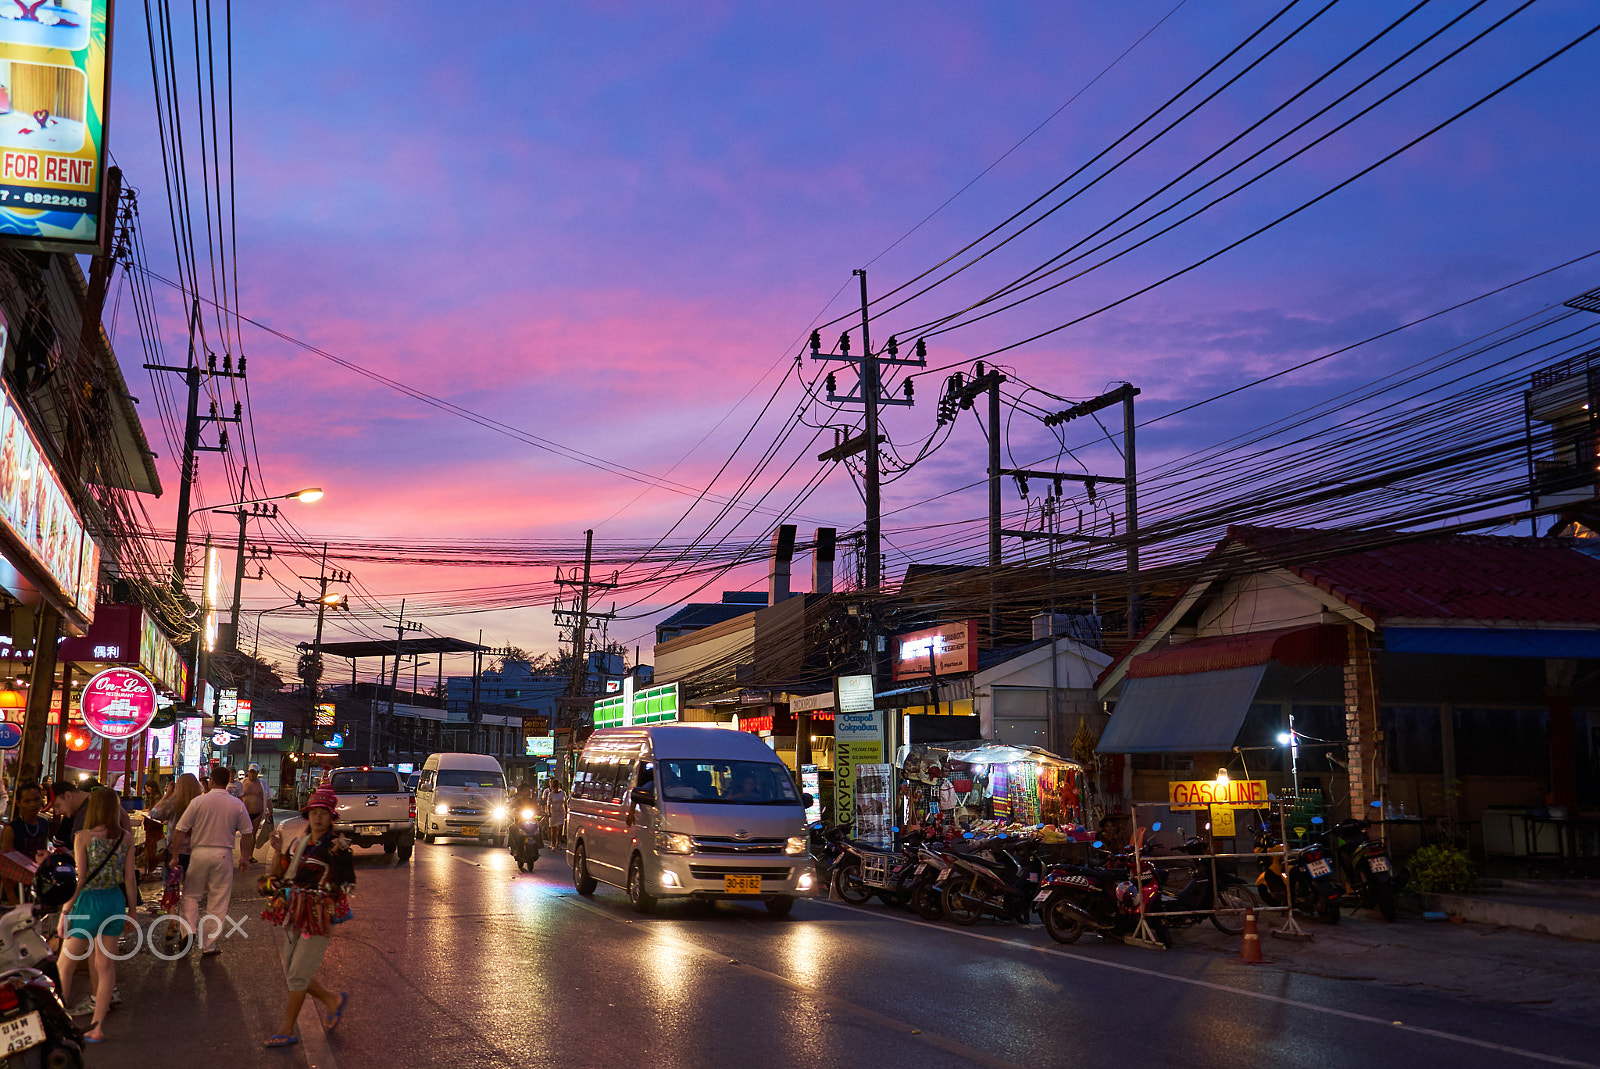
{"type": "Point", "coordinates": [1291, 739]}
{"type": "Point", "coordinates": [306, 496]}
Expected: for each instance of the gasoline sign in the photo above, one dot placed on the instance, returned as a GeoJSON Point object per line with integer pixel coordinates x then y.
{"type": "Point", "coordinates": [1204, 793]}
{"type": "Point", "coordinates": [118, 703]}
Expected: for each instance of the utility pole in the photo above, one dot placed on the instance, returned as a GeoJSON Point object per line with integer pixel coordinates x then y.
{"type": "Point", "coordinates": [579, 616]}
{"type": "Point", "coordinates": [400, 629]}
{"type": "Point", "coordinates": [193, 375]}
{"type": "Point", "coordinates": [870, 397]}
{"type": "Point", "coordinates": [1124, 396]}
{"type": "Point", "coordinates": [311, 657]}
{"type": "Point", "coordinates": [256, 510]}
{"type": "Point", "coordinates": [962, 395]}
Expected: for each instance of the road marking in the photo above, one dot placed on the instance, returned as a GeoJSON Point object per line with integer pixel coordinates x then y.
{"type": "Point", "coordinates": [949, 1046]}
{"type": "Point", "coordinates": [1552, 1059]}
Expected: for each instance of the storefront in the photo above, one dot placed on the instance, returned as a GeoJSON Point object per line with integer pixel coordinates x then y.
{"type": "Point", "coordinates": [987, 787]}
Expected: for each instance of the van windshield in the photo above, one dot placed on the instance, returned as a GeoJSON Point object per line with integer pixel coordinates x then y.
{"type": "Point", "coordinates": [466, 777]}
{"type": "Point", "coordinates": [727, 782]}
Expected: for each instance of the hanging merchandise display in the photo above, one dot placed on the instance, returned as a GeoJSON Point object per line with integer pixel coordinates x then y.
{"type": "Point", "coordinates": [994, 787]}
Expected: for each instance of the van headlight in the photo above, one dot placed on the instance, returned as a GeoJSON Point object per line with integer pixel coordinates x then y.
{"type": "Point", "coordinates": [795, 846]}
{"type": "Point", "coordinates": [441, 809]}
{"type": "Point", "coordinates": [499, 812]}
{"type": "Point", "coordinates": [673, 842]}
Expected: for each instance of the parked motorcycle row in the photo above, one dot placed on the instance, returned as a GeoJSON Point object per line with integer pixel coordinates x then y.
{"type": "Point", "coordinates": [1011, 876]}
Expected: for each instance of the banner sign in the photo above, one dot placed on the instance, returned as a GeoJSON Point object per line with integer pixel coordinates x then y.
{"type": "Point", "coordinates": [35, 509]}
{"type": "Point", "coordinates": [948, 649]}
{"type": "Point", "coordinates": [54, 66]}
{"type": "Point", "coordinates": [325, 715]}
{"type": "Point", "coordinates": [1205, 793]}
{"type": "Point", "coordinates": [539, 746]}
{"type": "Point", "coordinates": [267, 729]}
{"type": "Point", "coordinates": [857, 740]}
{"type": "Point", "coordinates": [874, 814]}
{"type": "Point", "coordinates": [857, 694]}
{"type": "Point", "coordinates": [118, 703]}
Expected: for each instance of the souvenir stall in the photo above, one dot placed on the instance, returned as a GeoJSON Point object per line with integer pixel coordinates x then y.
{"type": "Point", "coordinates": [991, 786]}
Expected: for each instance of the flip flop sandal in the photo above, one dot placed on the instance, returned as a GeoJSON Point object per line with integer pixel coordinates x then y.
{"type": "Point", "coordinates": [282, 1041]}
{"type": "Point", "coordinates": [333, 1019]}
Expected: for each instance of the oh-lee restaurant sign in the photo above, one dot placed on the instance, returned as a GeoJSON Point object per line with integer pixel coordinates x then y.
{"type": "Point", "coordinates": [118, 703]}
{"type": "Point", "coordinates": [948, 649]}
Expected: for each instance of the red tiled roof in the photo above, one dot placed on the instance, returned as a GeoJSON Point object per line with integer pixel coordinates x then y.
{"type": "Point", "coordinates": [1316, 644]}
{"type": "Point", "coordinates": [1447, 577]}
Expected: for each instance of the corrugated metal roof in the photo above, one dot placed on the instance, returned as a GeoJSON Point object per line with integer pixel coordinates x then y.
{"type": "Point", "coordinates": [1450, 578]}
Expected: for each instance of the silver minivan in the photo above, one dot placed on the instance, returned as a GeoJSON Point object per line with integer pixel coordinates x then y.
{"type": "Point", "coordinates": [462, 795]}
{"type": "Point", "coordinates": [687, 811]}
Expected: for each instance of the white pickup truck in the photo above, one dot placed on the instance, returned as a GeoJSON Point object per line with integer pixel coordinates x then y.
{"type": "Point", "coordinates": [375, 808]}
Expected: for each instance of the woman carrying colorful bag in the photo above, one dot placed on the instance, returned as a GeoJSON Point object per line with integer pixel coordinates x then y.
{"type": "Point", "coordinates": [309, 895]}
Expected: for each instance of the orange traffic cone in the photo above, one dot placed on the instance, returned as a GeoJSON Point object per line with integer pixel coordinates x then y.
{"type": "Point", "coordinates": [1250, 950]}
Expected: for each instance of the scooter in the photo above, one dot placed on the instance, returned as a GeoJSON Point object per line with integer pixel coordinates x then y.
{"type": "Point", "coordinates": [1364, 863]}
{"type": "Point", "coordinates": [1104, 898]}
{"type": "Point", "coordinates": [35, 1028]}
{"type": "Point", "coordinates": [1208, 888]}
{"type": "Point", "coordinates": [1001, 886]}
{"type": "Point", "coordinates": [1308, 885]}
{"type": "Point", "coordinates": [525, 836]}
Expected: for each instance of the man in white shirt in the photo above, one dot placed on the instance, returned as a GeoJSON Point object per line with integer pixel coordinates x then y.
{"type": "Point", "coordinates": [208, 831]}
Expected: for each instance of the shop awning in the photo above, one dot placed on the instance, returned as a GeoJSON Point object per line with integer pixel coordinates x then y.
{"type": "Point", "coordinates": [1197, 713]}
{"type": "Point", "coordinates": [1494, 641]}
{"type": "Point", "coordinates": [1314, 644]}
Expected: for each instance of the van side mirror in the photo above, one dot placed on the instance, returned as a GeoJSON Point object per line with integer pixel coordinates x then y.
{"type": "Point", "coordinates": [643, 796]}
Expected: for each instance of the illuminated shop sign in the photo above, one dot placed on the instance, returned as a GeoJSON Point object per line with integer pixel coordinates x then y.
{"type": "Point", "coordinates": [54, 63]}
{"type": "Point", "coordinates": [945, 650]}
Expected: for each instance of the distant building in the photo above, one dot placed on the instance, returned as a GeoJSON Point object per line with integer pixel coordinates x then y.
{"type": "Point", "coordinates": [514, 689]}
{"type": "Point", "coordinates": [699, 615]}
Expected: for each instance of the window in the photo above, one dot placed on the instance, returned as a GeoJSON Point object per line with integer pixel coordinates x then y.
{"type": "Point", "coordinates": [472, 779]}
{"type": "Point", "coordinates": [727, 782]}
{"type": "Point", "coordinates": [373, 782]}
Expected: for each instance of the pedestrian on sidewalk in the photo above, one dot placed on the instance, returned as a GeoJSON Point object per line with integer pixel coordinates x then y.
{"type": "Point", "coordinates": [208, 831]}
{"type": "Point", "coordinates": [254, 796]}
{"type": "Point", "coordinates": [97, 916]}
{"type": "Point", "coordinates": [27, 833]}
{"type": "Point", "coordinates": [311, 887]}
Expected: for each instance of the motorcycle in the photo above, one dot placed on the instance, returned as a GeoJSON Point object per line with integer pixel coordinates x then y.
{"type": "Point", "coordinates": [1104, 898]}
{"type": "Point", "coordinates": [1365, 865]}
{"type": "Point", "coordinates": [526, 833]}
{"type": "Point", "coordinates": [35, 1028]}
{"type": "Point", "coordinates": [1308, 885]}
{"type": "Point", "coordinates": [923, 894]}
{"type": "Point", "coordinates": [1208, 888]}
{"type": "Point", "coordinates": [999, 885]}
{"type": "Point", "coordinates": [861, 870]}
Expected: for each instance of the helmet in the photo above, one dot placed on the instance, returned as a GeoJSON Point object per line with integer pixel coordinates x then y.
{"type": "Point", "coordinates": [55, 881]}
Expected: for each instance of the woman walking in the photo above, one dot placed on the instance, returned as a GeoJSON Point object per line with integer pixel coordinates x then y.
{"type": "Point", "coordinates": [97, 916]}
{"type": "Point", "coordinates": [311, 884]}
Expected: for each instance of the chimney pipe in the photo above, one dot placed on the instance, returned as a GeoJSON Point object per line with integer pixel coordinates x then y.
{"type": "Point", "coordinates": [782, 561]}
{"type": "Point", "coordinates": [822, 560]}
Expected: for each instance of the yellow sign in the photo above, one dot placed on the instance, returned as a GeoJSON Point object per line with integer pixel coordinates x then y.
{"type": "Point", "coordinates": [1222, 822]}
{"type": "Point", "coordinates": [1203, 793]}
{"type": "Point", "coordinates": [847, 754]}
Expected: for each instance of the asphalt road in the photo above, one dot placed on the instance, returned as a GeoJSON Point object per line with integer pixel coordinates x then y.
{"type": "Point", "coordinates": [458, 960]}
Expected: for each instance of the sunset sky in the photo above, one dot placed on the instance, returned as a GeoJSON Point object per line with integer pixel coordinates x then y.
{"type": "Point", "coordinates": [612, 226]}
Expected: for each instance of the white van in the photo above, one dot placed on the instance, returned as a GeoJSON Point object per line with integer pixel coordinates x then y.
{"type": "Point", "coordinates": [687, 810]}
{"type": "Point", "coordinates": [462, 795]}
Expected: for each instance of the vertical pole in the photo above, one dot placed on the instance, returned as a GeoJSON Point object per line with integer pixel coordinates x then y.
{"type": "Point", "coordinates": [238, 563]}
{"type": "Point", "coordinates": [994, 505]}
{"type": "Point", "coordinates": [191, 438]}
{"type": "Point", "coordinates": [61, 721]}
{"type": "Point", "coordinates": [394, 678]}
{"type": "Point", "coordinates": [1533, 476]}
{"type": "Point", "coordinates": [580, 637]}
{"type": "Point", "coordinates": [41, 683]}
{"type": "Point", "coordinates": [869, 396]}
{"type": "Point", "coordinates": [1131, 503]}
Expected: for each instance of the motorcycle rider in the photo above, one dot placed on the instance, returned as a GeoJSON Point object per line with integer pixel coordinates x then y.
{"type": "Point", "coordinates": [523, 799]}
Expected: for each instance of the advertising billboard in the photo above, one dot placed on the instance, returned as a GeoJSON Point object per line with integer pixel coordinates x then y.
{"type": "Point", "coordinates": [948, 649]}
{"type": "Point", "coordinates": [118, 703]}
{"type": "Point", "coordinates": [267, 729]}
{"type": "Point", "coordinates": [55, 61]}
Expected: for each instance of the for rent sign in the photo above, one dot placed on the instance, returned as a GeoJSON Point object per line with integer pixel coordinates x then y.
{"type": "Point", "coordinates": [1205, 793]}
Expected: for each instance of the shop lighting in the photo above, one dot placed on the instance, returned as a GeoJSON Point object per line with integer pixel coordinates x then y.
{"type": "Point", "coordinates": [1222, 777]}
{"type": "Point", "coordinates": [1284, 738]}
{"type": "Point", "coordinates": [12, 699]}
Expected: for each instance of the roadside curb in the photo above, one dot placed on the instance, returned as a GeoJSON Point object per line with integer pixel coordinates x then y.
{"type": "Point", "coordinates": [1527, 917]}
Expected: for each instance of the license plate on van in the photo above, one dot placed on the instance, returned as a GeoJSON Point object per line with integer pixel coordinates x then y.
{"type": "Point", "coordinates": [468, 831]}
{"type": "Point", "coordinates": [741, 885]}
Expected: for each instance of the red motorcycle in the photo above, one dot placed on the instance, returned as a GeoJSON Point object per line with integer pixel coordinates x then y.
{"type": "Point", "coordinates": [1104, 899]}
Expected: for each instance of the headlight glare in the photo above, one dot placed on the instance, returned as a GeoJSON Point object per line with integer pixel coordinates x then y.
{"type": "Point", "coordinates": [795, 846]}
{"type": "Point", "coordinates": [527, 814]}
{"type": "Point", "coordinates": [672, 842]}
{"type": "Point", "coordinates": [441, 809]}
{"type": "Point", "coordinates": [499, 812]}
